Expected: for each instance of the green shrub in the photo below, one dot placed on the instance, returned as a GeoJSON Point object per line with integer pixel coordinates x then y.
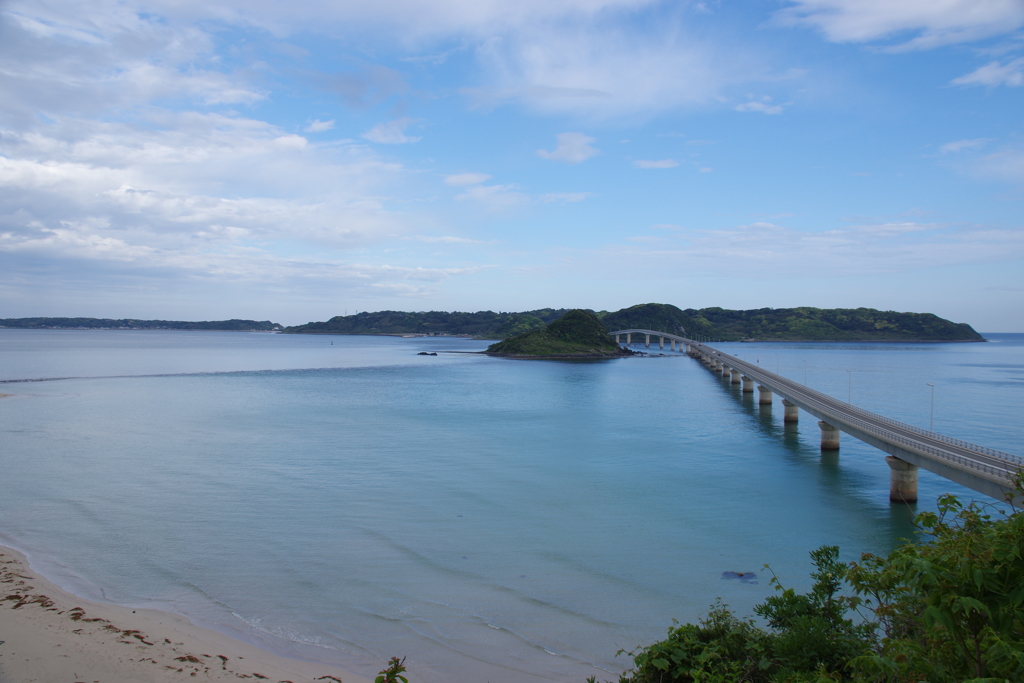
{"type": "Point", "coordinates": [946, 609]}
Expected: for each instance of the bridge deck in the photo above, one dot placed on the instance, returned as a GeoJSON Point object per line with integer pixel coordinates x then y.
{"type": "Point", "coordinates": [985, 470]}
{"type": "Point", "coordinates": [653, 333]}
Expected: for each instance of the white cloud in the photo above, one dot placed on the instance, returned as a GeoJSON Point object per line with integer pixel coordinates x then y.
{"type": "Point", "coordinates": [660, 163]}
{"type": "Point", "coordinates": [609, 69]}
{"type": "Point", "coordinates": [495, 197]}
{"type": "Point", "coordinates": [445, 239]}
{"type": "Point", "coordinates": [763, 105]}
{"type": "Point", "coordinates": [462, 179]}
{"type": "Point", "coordinates": [391, 133]}
{"type": "Point", "coordinates": [572, 148]}
{"type": "Point", "coordinates": [173, 199]}
{"type": "Point", "coordinates": [960, 145]}
{"type": "Point", "coordinates": [768, 250]}
{"type": "Point", "coordinates": [705, 169]}
{"type": "Point", "coordinates": [1006, 165]}
{"type": "Point", "coordinates": [931, 22]}
{"type": "Point", "coordinates": [318, 126]}
{"type": "Point", "coordinates": [564, 197]}
{"type": "Point", "coordinates": [995, 73]}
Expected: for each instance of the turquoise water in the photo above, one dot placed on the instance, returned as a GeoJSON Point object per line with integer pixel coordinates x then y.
{"type": "Point", "coordinates": [491, 519]}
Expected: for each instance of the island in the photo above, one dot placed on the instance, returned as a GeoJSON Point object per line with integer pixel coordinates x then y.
{"type": "Point", "coordinates": [802, 324]}
{"type": "Point", "coordinates": [481, 324]}
{"type": "Point", "coordinates": [132, 324]}
{"type": "Point", "coordinates": [578, 334]}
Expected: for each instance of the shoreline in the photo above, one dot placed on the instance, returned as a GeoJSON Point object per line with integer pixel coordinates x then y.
{"type": "Point", "coordinates": [49, 634]}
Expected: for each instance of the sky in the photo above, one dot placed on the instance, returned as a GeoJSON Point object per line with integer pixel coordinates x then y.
{"type": "Point", "coordinates": [292, 161]}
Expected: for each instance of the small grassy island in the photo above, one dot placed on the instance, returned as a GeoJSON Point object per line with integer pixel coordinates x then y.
{"type": "Point", "coordinates": [577, 334]}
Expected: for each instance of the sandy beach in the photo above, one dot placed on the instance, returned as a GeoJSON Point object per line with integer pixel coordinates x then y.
{"type": "Point", "coordinates": [50, 636]}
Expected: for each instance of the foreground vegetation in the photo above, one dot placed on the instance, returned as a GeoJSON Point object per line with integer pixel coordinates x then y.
{"type": "Point", "coordinates": [765, 324]}
{"type": "Point", "coordinates": [946, 609]}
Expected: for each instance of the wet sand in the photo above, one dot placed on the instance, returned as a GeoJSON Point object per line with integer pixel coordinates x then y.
{"type": "Point", "coordinates": [49, 635]}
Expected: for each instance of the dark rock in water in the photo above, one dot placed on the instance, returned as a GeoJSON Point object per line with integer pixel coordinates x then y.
{"type": "Point", "coordinates": [742, 577]}
{"type": "Point", "coordinates": [424, 353]}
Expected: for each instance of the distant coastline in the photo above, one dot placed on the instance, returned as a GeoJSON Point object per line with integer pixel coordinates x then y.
{"type": "Point", "coordinates": [801, 324]}
{"type": "Point", "coordinates": [43, 323]}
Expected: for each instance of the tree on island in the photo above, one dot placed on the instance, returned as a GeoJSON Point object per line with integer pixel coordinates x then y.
{"type": "Point", "coordinates": [577, 334]}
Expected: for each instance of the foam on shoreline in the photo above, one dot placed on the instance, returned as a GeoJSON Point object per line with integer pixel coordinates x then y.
{"type": "Point", "coordinates": [49, 634]}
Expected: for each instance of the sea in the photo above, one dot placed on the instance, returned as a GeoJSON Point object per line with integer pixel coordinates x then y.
{"type": "Point", "coordinates": [344, 499]}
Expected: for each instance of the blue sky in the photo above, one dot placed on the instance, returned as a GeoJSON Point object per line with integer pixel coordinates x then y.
{"type": "Point", "coordinates": [294, 161]}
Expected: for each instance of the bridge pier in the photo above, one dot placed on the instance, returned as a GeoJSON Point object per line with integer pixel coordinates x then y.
{"type": "Point", "coordinates": [985, 470]}
{"type": "Point", "coordinates": [661, 343]}
{"type": "Point", "coordinates": [902, 480]}
{"type": "Point", "coordinates": [829, 436]}
{"type": "Point", "coordinates": [629, 339]}
{"type": "Point", "coordinates": [736, 374]}
{"type": "Point", "coordinates": [648, 340]}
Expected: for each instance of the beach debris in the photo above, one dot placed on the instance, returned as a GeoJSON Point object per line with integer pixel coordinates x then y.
{"type": "Point", "coordinates": [189, 658]}
{"type": "Point", "coordinates": [30, 600]}
{"type": "Point", "coordinates": [324, 678]}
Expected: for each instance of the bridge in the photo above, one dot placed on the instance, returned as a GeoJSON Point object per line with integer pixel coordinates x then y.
{"type": "Point", "coordinates": [908, 448]}
{"type": "Point", "coordinates": [673, 338]}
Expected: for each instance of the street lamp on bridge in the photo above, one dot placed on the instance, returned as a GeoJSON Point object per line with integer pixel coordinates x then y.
{"type": "Point", "coordinates": [931, 417]}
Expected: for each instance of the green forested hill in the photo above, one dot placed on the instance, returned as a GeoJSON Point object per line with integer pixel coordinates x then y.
{"type": "Point", "coordinates": [765, 324]}
{"type": "Point", "coordinates": [818, 324]}
{"type": "Point", "coordinates": [131, 324]}
{"type": "Point", "coordinates": [792, 324]}
{"type": "Point", "coordinates": [480, 324]}
{"type": "Point", "coordinates": [578, 333]}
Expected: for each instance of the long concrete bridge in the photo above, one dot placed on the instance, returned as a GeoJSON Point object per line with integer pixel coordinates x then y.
{"type": "Point", "coordinates": [982, 469]}
{"type": "Point", "coordinates": [673, 339]}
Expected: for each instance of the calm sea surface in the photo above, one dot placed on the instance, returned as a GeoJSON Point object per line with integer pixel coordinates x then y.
{"type": "Point", "coordinates": [493, 520]}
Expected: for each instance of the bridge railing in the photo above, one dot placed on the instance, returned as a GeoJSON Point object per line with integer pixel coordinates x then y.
{"type": "Point", "coordinates": [955, 442]}
{"type": "Point", "coordinates": [811, 397]}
